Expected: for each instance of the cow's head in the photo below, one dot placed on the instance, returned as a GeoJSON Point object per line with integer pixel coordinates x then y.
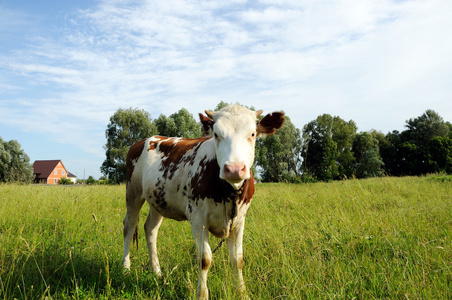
{"type": "Point", "coordinates": [234, 130]}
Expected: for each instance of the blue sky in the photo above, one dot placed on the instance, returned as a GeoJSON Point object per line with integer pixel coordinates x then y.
{"type": "Point", "coordinates": [67, 66]}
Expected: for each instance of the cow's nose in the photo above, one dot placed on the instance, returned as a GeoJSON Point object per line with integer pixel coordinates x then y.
{"type": "Point", "coordinates": [234, 171]}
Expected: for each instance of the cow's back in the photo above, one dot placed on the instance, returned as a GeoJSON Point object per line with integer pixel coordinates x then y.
{"type": "Point", "coordinates": [162, 170]}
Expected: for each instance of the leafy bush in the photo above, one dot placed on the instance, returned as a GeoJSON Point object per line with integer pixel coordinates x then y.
{"type": "Point", "coordinates": [65, 181]}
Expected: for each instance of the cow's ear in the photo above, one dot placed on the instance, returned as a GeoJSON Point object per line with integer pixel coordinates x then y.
{"type": "Point", "coordinates": [270, 123]}
{"type": "Point", "coordinates": [207, 125]}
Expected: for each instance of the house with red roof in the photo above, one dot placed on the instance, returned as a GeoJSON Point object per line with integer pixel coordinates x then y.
{"type": "Point", "coordinates": [49, 171]}
{"type": "Point", "coordinates": [72, 177]}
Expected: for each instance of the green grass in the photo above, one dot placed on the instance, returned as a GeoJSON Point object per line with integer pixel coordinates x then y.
{"type": "Point", "coordinates": [441, 178]}
{"type": "Point", "coordinates": [365, 239]}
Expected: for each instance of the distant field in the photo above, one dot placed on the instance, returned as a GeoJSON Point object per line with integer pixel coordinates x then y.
{"type": "Point", "coordinates": [366, 239]}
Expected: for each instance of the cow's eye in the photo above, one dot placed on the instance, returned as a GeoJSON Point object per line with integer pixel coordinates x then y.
{"type": "Point", "coordinates": [215, 135]}
{"type": "Point", "coordinates": [253, 134]}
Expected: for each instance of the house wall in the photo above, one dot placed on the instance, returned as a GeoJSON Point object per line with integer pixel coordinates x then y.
{"type": "Point", "coordinates": [61, 172]}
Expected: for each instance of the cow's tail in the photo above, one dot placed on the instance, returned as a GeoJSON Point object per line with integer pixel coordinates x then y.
{"type": "Point", "coordinates": [135, 235]}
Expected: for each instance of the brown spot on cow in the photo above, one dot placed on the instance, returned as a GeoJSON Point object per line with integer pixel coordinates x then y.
{"type": "Point", "coordinates": [205, 262]}
{"type": "Point", "coordinates": [177, 155]}
{"type": "Point", "coordinates": [247, 190]}
{"type": "Point", "coordinates": [240, 262]}
{"type": "Point", "coordinates": [209, 185]}
{"type": "Point", "coordinates": [159, 195]}
{"type": "Point", "coordinates": [132, 157]}
{"type": "Point", "coordinates": [155, 140]}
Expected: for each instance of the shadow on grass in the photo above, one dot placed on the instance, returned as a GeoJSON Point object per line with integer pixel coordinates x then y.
{"type": "Point", "coordinates": [78, 272]}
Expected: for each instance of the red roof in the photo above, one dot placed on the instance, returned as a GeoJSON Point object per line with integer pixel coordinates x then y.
{"type": "Point", "coordinates": [70, 175]}
{"type": "Point", "coordinates": [43, 168]}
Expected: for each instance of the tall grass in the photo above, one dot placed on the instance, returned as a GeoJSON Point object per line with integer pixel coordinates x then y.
{"type": "Point", "coordinates": [365, 239]}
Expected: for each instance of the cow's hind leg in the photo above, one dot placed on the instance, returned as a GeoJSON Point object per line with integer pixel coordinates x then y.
{"type": "Point", "coordinates": [130, 227]}
{"type": "Point", "coordinates": [151, 227]}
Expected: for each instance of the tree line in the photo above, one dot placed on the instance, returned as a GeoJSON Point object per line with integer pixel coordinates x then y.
{"type": "Point", "coordinates": [327, 148]}
{"type": "Point", "coordinates": [333, 149]}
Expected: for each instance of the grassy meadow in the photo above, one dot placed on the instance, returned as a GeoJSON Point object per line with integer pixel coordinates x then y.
{"type": "Point", "coordinates": [365, 239]}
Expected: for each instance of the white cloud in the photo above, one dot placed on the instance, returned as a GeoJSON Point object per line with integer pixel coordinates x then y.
{"type": "Point", "coordinates": [272, 15]}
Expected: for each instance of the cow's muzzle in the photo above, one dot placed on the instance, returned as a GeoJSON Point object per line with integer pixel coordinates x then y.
{"type": "Point", "coordinates": [236, 171]}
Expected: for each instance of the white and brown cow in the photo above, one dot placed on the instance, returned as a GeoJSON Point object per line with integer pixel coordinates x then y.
{"type": "Point", "coordinates": [207, 181]}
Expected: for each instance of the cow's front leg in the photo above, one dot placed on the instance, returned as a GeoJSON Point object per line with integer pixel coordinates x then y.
{"type": "Point", "coordinates": [236, 255]}
{"type": "Point", "coordinates": [204, 254]}
{"type": "Point", "coordinates": [151, 227]}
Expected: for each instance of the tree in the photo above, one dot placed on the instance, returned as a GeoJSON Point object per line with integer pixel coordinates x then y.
{"type": "Point", "coordinates": [410, 158]}
{"type": "Point", "coordinates": [367, 155]}
{"type": "Point", "coordinates": [91, 180]}
{"type": "Point", "coordinates": [388, 151]}
{"type": "Point", "coordinates": [440, 154]}
{"type": "Point", "coordinates": [329, 167]}
{"type": "Point", "coordinates": [5, 159]}
{"type": "Point", "coordinates": [328, 148]}
{"type": "Point", "coordinates": [450, 129]}
{"type": "Point", "coordinates": [126, 127]}
{"type": "Point", "coordinates": [279, 155]}
{"type": "Point", "coordinates": [344, 134]}
{"type": "Point", "coordinates": [180, 124]}
{"type": "Point", "coordinates": [425, 127]}
{"type": "Point", "coordinates": [409, 152]}
{"type": "Point", "coordinates": [416, 140]}
{"type": "Point", "coordinates": [14, 163]}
